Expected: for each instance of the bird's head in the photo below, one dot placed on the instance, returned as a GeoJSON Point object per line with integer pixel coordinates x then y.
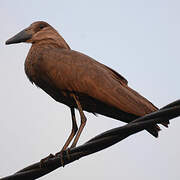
{"type": "Point", "coordinates": [38, 32]}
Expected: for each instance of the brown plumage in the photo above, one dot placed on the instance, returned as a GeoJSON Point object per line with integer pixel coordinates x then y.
{"type": "Point", "coordinates": [79, 81]}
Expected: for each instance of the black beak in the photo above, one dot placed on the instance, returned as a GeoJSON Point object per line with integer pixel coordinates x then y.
{"type": "Point", "coordinates": [22, 36]}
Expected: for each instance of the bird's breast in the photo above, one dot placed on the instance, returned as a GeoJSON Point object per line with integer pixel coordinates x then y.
{"type": "Point", "coordinates": [37, 75]}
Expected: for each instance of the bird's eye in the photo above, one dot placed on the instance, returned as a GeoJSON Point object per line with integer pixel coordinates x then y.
{"type": "Point", "coordinates": [41, 26]}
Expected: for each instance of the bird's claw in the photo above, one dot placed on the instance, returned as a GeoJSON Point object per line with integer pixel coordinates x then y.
{"type": "Point", "coordinates": [63, 153]}
{"type": "Point", "coordinates": [42, 162]}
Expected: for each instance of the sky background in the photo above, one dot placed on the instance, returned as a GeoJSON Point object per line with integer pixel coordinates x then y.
{"type": "Point", "coordinates": [139, 39]}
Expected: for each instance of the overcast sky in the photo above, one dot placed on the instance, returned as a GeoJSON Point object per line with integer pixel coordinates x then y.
{"type": "Point", "coordinates": [139, 39]}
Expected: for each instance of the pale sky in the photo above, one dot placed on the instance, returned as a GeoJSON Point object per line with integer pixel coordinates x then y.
{"type": "Point", "coordinates": [139, 39]}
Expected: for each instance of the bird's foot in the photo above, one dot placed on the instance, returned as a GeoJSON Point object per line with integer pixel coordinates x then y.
{"type": "Point", "coordinates": [60, 154]}
{"type": "Point", "coordinates": [42, 162]}
{"type": "Point", "coordinates": [63, 153]}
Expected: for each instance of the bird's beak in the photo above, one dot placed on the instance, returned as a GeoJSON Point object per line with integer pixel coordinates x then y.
{"type": "Point", "coordinates": [22, 36]}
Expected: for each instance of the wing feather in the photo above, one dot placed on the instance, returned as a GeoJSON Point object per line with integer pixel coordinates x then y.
{"type": "Point", "coordinates": [74, 71]}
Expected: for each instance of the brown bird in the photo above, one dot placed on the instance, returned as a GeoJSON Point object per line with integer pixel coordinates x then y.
{"type": "Point", "coordinates": [78, 81]}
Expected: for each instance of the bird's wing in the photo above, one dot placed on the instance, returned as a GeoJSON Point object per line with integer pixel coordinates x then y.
{"type": "Point", "coordinates": [118, 76]}
{"type": "Point", "coordinates": [75, 72]}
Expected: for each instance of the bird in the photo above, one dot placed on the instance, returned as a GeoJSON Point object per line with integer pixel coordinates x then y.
{"type": "Point", "coordinates": [79, 81]}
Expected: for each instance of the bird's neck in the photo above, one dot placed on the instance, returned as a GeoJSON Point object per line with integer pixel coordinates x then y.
{"type": "Point", "coordinates": [49, 42]}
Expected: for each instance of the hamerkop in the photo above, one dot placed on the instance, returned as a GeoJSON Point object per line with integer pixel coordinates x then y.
{"type": "Point", "coordinates": [78, 81]}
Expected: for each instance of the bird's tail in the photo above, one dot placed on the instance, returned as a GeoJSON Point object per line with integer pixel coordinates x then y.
{"type": "Point", "coordinates": [153, 130]}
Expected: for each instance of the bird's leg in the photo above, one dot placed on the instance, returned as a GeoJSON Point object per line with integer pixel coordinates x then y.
{"type": "Point", "coordinates": [73, 131]}
{"type": "Point", "coordinates": [83, 121]}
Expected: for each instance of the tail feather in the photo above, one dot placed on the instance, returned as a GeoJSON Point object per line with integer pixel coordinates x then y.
{"type": "Point", "coordinates": [166, 123]}
{"type": "Point", "coordinates": [153, 130]}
